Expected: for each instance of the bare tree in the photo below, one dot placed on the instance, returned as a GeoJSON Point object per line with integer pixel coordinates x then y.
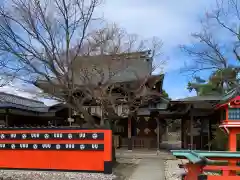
{"type": "Point", "coordinates": [207, 55]}
{"type": "Point", "coordinates": [218, 42]}
{"type": "Point", "coordinates": [58, 46]}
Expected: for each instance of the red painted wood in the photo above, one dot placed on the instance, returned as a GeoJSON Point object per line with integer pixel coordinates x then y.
{"type": "Point", "coordinates": [54, 159]}
{"type": "Point", "coordinates": [193, 170]}
{"type": "Point", "coordinates": [223, 168]}
{"type": "Point", "coordinates": [223, 177]}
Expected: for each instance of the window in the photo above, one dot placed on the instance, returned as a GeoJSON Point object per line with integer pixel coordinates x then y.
{"type": "Point", "coordinates": [234, 113]}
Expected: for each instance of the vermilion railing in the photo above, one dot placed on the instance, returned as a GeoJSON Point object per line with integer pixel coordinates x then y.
{"type": "Point", "coordinates": [202, 162]}
{"type": "Point", "coordinates": [205, 177]}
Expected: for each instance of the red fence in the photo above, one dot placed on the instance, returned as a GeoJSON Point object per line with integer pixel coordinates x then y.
{"type": "Point", "coordinates": [205, 177]}
{"type": "Point", "coordinates": [64, 149]}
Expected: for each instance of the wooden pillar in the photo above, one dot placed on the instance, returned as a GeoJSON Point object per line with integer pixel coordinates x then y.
{"type": "Point", "coordinates": [193, 170]}
{"type": "Point", "coordinates": [209, 133]}
{"type": "Point", "coordinates": [201, 133]}
{"type": "Point", "coordinates": [185, 129]}
{"type": "Point", "coordinates": [6, 118]}
{"type": "Point", "coordinates": [183, 140]}
{"type": "Point", "coordinates": [232, 141]}
{"type": "Point", "coordinates": [158, 134]}
{"type": "Point", "coordinates": [191, 131]}
{"type": "Point", "coordinates": [166, 133]}
{"type": "Point", "coordinates": [55, 122]}
{"type": "Point", "coordinates": [130, 133]}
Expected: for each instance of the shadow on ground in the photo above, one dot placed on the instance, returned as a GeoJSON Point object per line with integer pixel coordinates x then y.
{"type": "Point", "coordinates": [124, 170]}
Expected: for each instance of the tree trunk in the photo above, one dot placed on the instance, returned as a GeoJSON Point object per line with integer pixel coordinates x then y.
{"type": "Point", "coordinates": [111, 126]}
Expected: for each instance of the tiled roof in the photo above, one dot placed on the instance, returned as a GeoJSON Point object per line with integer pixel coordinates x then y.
{"type": "Point", "coordinates": [219, 99]}
{"type": "Point", "coordinates": [231, 94]}
{"type": "Point", "coordinates": [13, 101]}
{"type": "Point", "coordinates": [200, 98]}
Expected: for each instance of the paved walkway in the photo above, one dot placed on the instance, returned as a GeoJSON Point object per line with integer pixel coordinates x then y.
{"type": "Point", "coordinates": [141, 153]}
{"type": "Point", "coordinates": [149, 169]}
{"type": "Point", "coordinates": [151, 163]}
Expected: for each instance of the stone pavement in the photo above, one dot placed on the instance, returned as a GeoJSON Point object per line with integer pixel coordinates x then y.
{"type": "Point", "coordinates": [152, 165]}
{"type": "Point", "coordinates": [144, 153]}
{"type": "Point", "coordinates": [149, 169]}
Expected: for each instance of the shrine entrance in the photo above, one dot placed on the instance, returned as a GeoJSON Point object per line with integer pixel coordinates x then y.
{"type": "Point", "coordinates": [199, 120]}
{"type": "Point", "coordinates": [139, 132]}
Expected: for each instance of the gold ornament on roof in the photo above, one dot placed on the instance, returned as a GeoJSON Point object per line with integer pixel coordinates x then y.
{"type": "Point", "coordinates": [138, 119]}
{"type": "Point", "coordinates": [146, 119]}
{"type": "Point", "coordinates": [146, 130]}
{"type": "Point", "coordinates": [138, 130]}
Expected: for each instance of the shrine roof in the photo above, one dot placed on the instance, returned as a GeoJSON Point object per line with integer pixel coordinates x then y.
{"type": "Point", "coordinates": [230, 95]}
{"type": "Point", "coordinates": [199, 99]}
{"type": "Point", "coordinates": [198, 102]}
{"type": "Point", "coordinates": [18, 102]}
{"type": "Point", "coordinates": [212, 99]}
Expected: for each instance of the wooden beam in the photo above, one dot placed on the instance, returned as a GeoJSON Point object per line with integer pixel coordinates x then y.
{"type": "Point", "coordinates": [3, 110]}
{"type": "Point", "coordinates": [29, 113]}
{"type": "Point", "coordinates": [200, 112]}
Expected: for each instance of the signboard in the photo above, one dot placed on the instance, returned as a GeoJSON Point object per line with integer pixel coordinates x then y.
{"type": "Point", "coordinates": [51, 136]}
{"type": "Point", "coordinates": [80, 147]}
{"type": "Point", "coordinates": [66, 149]}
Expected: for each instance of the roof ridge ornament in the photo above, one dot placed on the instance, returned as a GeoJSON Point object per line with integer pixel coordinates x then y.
{"type": "Point", "coordinates": [235, 102]}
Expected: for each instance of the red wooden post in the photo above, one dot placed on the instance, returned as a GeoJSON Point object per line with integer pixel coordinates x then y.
{"type": "Point", "coordinates": [232, 141]}
{"type": "Point", "coordinates": [193, 171]}
{"type": "Point", "coordinates": [232, 147]}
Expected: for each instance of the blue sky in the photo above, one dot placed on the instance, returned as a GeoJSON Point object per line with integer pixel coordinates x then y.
{"type": "Point", "coordinates": [171, 20]}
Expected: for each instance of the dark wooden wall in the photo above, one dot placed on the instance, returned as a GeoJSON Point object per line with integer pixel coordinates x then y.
{"type": "Point", "coordinates": [146, 126]}
{"type": "Point", "coordinates": [20, 120]}
{"type": "Point", "coordinates": [206, 125]}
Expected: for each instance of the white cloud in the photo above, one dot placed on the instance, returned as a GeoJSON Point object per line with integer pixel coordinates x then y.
{"type": "Point", "coordinates": [171, 20]}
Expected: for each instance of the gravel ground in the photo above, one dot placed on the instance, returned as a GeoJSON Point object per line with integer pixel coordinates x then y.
{"type": "Point", "coordinates": [125, 168]}
{"type": "Point", "coordinates": [37, 175]}
{"type": "Point", "coordinates": [172, 171]}
{"type": "Point", "coordinates": [121, 172]}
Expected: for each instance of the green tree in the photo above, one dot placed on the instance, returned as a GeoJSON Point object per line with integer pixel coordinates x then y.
{"type": "Point", "coordinates": [165, 94]}
{"type": "Point", "coordinates": [219, 82]}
